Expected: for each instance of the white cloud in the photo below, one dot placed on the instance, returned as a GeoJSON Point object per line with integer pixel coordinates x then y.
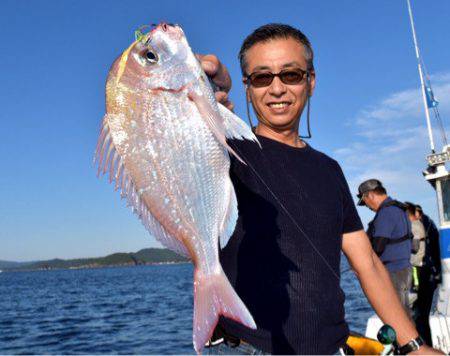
{"type": "Point", "coordinates": [443, 77]}
{"type": "Point", "coordinates": [391, 142]}
{"type": "Point", "coordinates": [400, 105]}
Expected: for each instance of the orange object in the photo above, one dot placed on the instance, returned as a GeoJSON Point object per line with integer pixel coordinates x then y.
{"type": "Point", "coordinates": [362, 345]}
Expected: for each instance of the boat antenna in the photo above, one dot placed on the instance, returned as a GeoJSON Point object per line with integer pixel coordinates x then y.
{"type": "Point", "coordinates": [422, 82]}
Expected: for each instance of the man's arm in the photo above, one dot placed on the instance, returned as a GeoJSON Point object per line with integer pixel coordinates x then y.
{"type": "Point", "coordinates": [378, 288]}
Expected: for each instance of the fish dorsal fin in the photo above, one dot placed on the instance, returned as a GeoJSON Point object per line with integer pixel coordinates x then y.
{"type": "Point", "coordinates": [230, 216]}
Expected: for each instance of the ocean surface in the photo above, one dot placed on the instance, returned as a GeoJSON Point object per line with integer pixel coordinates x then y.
{"type": "Point", "coordinates": [123, 310]}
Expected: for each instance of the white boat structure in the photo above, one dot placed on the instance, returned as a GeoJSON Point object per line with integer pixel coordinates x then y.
{"type": "Point", "coordinates": [438, 176]}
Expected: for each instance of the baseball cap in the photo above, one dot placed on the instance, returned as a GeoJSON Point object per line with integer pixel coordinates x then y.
{"type": "Point", "coordinates": [367, 186]}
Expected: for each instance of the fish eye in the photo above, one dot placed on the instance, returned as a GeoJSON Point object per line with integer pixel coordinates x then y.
{"type": "Point", "coordinates": [151, 56]}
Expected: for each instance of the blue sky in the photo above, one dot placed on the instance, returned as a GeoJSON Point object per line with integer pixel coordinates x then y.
{"type": "Point", "coordinates": [55, 56]}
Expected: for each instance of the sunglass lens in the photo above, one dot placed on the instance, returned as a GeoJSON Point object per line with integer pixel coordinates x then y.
{"type": "Point", "coordinates": [261, 79]}
{"type": "Point", "coordinates": [291, 77]}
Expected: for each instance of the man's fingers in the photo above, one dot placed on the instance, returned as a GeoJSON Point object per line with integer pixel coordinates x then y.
{"type": "Point", "coordinates": [229, 105]}
{"type": "Point", "coordinates": [219, 75]}
{"type": "Point", "coordinates": [222, 97]}
{"type": "Point", "coordinates": [216, 71]}
{"type": "Point", "coordinates": [209, 67]}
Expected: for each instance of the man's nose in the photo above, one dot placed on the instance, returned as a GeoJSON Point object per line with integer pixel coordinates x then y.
{"type": "Point", "coordinates": [277, 87]}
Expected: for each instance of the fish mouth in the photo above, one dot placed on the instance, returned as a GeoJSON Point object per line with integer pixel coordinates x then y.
{"type": "Point", "coordinates": [164, 25]}
{"type": "Point", "coordinates": [173, 30]}
{"type": "Point", "coordinates": [145, 33]}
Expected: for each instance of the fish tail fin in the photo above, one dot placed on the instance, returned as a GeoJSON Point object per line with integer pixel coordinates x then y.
{"type": "Point", "coordinates": [214, 296]}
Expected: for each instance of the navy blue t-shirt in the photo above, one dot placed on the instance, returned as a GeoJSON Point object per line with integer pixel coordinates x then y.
{"type": "Point", "coordinates": [393, 223]}
{"type": "Point", "coordinates": [284, 256]}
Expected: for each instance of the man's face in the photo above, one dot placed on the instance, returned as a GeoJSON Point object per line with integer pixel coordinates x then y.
{"type": "Point", "coordinates": [370, 201]}
{"type": "Point", "coordinates": [278, 105]}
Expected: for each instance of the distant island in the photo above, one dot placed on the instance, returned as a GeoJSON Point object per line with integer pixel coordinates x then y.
{"type": "Point", "coordinates": [146, 256]}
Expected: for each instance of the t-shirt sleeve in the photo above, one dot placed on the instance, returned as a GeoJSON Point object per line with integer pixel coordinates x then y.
{"type": "Point", "coordinates": [351, 220]}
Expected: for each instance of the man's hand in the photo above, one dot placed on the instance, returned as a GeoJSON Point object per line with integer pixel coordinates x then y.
{"type": "Point", "coordinates": [220, 77]}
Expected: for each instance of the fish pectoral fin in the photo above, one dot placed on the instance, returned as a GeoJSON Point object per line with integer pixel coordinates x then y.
{"type": "Point", "coordinates": [235, 127]}
{"type": "Point", "coordinates": [213, 120]}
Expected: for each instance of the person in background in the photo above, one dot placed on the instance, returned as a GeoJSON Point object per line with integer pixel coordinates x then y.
{"type": "Point", "coordinates": [429, 276]}
{"type": "Point", "coordinates": [418, 244]}
{"type": "Point", "coordinates": [390, 235]}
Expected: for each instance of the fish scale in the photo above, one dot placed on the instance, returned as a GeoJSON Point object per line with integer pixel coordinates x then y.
{"type": "Point", "coordinates": [163, 143]}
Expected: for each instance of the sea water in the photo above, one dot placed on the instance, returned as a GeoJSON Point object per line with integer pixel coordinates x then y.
{"type": "Point", "coordinates": [121, 310]}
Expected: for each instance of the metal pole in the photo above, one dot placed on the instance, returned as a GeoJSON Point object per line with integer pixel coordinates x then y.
{"type": "Point", "coordinates": [424, 97]}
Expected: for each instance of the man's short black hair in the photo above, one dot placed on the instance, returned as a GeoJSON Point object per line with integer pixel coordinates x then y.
{"type": "Point", "coordinates": [275, 31]}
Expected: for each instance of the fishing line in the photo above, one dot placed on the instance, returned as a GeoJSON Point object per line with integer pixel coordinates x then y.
{"type": "Point", "coordinates": [288, 214]}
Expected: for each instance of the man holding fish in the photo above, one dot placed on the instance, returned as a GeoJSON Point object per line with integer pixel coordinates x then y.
{"type": "Point", "coordinates": [295, 215]}
{"type": "Point", "coordinates": [197, 177]}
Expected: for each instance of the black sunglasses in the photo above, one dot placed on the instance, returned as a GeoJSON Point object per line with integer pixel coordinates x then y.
{"type": "Point", "coordinates": [287, 76]}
